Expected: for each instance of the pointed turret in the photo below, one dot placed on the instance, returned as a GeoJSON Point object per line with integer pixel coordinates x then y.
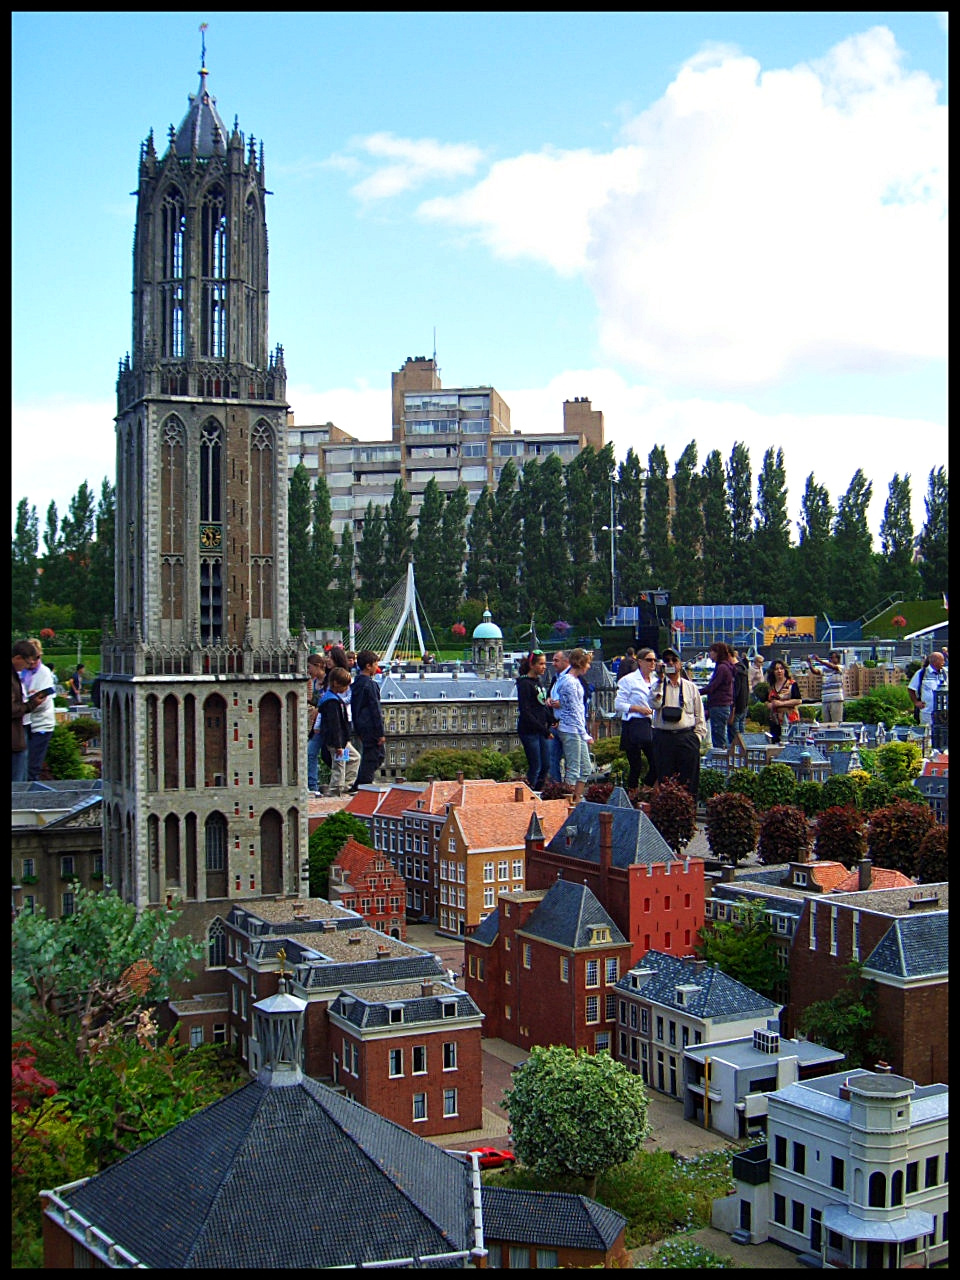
{"type": "Point", "coordinates": [201, 131]}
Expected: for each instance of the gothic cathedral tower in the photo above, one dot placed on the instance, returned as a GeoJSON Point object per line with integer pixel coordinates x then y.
{"type": "Point", "coordinates": [204, 787]}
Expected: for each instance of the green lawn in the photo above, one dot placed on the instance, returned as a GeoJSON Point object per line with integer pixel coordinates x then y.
{"type": "Point", "coordinates": [918, 613]}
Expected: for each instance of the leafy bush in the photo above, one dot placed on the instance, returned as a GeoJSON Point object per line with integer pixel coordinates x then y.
{"type": "Point", "coordinates": [808, 711]}
{"type": "Point", "coordinates": [673, 812]}
{"type": "Point", "coordinates": [84, 728]}
{"type": "Point", "coordinates": [606, 751]}
{"type": "Point", "coordinates": [907, 791]}
{"type": "Point", "coordinates": [63, 756]}
{"type": "Point", "coordinates": [683, 1251]}
{"type": "Point", "coordinates": [712, 782]}
{"type": "Point", "coordinates": [776, 784]}
{"type": "Point", "coordinates": [556, 790]}
{"type": "Point", "coordinates": [744, 782]}
{"type": "Point", "coordinates": [784, 835]}
{"type": "Point", "coordinates": [809, 797]}
{"type": "Point", "coordinates": [327, 841]}
{"type": "Point", "coordinates": [931, 864]}
{"type": "Point", "coordinates": [732, 826]}
{"type": "Point", "coordinates": [598, 792]}
{"type": "Point", "coordinates": [840, 835]}
{"type": "Point", "coordinates": [898, 762]}
{"type": "Point", "coordinates": [446, 763]}
{"type": "Point", "coordinates": [889, 703]}
{"type": "Point", "coordinates": [761, 691]}
{"type": "Point", "coordinates": [895, 834]}
{"type": "Point", "coordinates": [658, 1194]}
{"type": "Point", "coordinates": [875, 795]}
{"type": "Point", "coordinates": [840, 789]}
{"type": "Point", "coordinates": [760, 714]}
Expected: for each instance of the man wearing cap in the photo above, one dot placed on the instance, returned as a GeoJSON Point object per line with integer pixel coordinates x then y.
{"type": "Point", "coordinates": [679, 724]}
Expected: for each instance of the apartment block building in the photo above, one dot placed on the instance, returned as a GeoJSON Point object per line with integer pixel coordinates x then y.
{"type": "Point", "coordinates": [544, 967]}
{"type": "Point", "coordinates": [459, 435]}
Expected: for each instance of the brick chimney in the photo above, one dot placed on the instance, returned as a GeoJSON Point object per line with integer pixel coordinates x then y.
{"type": "Point", "coordinates": [606, 852]}
{"type": "Point", "coordinates": [518, 794]}
{"type": "Point", "coordinates": [864, 876]}
{"type": "Point", "coordinates": [426, 988]}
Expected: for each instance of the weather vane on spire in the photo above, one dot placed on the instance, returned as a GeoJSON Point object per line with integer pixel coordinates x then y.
{"type": "Point", "coordinates": [203, 46]}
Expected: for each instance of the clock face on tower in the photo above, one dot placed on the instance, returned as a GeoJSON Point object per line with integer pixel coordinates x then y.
{"type": "Point", "coordinates": [211, 536]}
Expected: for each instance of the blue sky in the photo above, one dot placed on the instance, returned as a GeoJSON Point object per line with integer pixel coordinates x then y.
{"type": "Point", "coordinates": [716, 226]}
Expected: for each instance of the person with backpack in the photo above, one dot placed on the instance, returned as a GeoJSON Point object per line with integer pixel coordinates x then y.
{"type": "Point", "coordinates": [342, 759]}
{"type": "Point", "coordinates": [741, 694]}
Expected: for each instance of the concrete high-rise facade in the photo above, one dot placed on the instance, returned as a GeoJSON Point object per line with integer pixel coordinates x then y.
{"type": "Point", "coordinates": [455, 435]}
{"type": "Point", "coordinates": [203, 686]}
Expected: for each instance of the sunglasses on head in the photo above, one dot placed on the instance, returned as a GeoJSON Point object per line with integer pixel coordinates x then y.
{"type": "Point", "coordinates": [536, 653]}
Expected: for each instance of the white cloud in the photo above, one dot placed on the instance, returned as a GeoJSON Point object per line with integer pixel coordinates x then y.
{"type": "Point", "coordinates": [755, 225]}
{"type": "Point", "coordinates": [76, 441]}
{"type": "Point", "coordinates": [411, 163]}
{"type": "Point", "coordinates": [364, 412]}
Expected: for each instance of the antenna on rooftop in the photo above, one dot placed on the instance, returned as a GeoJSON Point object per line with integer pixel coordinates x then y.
{"type": "Point", "coordinates": [436, 369]}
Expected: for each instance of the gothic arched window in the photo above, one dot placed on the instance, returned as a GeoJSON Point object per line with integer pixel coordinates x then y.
{"type": "Point", "coordinates": [213, 271]}
{"type": "Point", "coordinates": [173, 224]}
{"type": "Point", "coordinates": [216, 944]}
{"type": "Point", "coordinates": [211, 471]}
{"type": "Point", "coordinates": [252, 254]}
{"type": "Point", "coordinates": [172, 517]}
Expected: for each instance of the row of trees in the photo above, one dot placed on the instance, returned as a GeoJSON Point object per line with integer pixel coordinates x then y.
{"type": "Point", "coordinates": [538, 544]}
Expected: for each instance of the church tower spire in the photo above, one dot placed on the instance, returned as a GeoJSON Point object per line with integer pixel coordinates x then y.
{"type": "Point", "coordinates": [202, 677]}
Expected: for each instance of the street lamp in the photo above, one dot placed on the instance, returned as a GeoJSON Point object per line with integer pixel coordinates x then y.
{"type": "Point", "coordinates": [613, 529]}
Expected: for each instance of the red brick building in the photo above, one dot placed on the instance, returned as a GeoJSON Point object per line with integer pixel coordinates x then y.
{"type": "Point", "coordinates": [655, 897]}
{"type": "Point", "coordinates": [410, 1051]}
{"type": "Point", "coordinates": [544, 966]}
{"type": "Point", "coordinates": [900, 936]}
{"type": "Point", "coordinates": [363, 880]}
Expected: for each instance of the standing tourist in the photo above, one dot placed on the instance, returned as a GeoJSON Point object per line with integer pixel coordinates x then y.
{"type": "Point", "coordinates": [756, 672]}
{"type": "Point", "coordinates": [719, 694]}
{"type": "Point", "coordinates": [22, 653]}
{"type": "Point", "coordinates": [75, 686]}
{"type": "Point", "coordinates": [924, 683]}
{"type": "Point", "coordinates": [367, 718]}
{"type": "Point", "coordinates": [741, 694]}
{"type": "Point", "coordinates": [574, 738]}
{"type": "Point", "coordinates": [41, 721]}
{"type": "Point", "coordinates": [679, 725]}
{"type": "Point", "coordinates": [534, 718]}
{"type": "Point", "coordinates": [831, 692]}
{"type": "Point", "coordinates": [315, 677]}
{"type": "Point", "coordinates": [338, 754]}
{"type": "Point", "coordinates": [783, 699]}
{"type": "Point", "coordinates": [635, 708]}
{"type": "Point", "coordinates": [560, 666]}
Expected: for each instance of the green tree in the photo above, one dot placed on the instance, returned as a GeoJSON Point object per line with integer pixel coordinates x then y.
{"type": "Point", "coordinates": [743, 948]}
{"type": "Point", "coordinates": [717, 531]}
{"type": "Point", "coordinates": [102, 555]}
{"type": "Point", "coordinates": [54, 567]}
{"type": "Point", "coordinates": [557, 596]}
{"type": "Point", "coordinates": [656, 527]}
{"type": "Point", "coordinates": [322, 554]}
{"type": "Point", "coordinates": [742, 585]}
{"type": "Point", "coordinates": [298, 545]}
{"type": "Point", "coordinates": [327, 841]}
{"type": "Point", "coordinates": [935, 535]}
{"type": "Point", "coordinates": [453, 550]}
{"type": "Point", "coordinates": [506, 539]}
{"type": "Point", "coordinates": [345, 576]}
{"type": "Point", "coordinates": [428, 550]}
{"type": "Point", "coordinates": [853, 568]}
{"type": "Point", "coordinates": [479, 579]}
{"type": "Point", "coordinates": [575, 1115]}
{"type": "Point", "coordinates": [371, 565]}
{"type": "Point", "coordinates": [688, 534]}
{"type": "Point", "coordinates": [76, 538]}
{"type": "Point", "coordinates": [63, 756]}
{"type": "Point", "coordinates": [813, 556]}
{"type": "Point", "coordinates": [896, 571]}
{"type": "Point", "coordinates": [579, 533]}
{"type": "Point", "coordinates": [23, 565]}
{"type": "Point", "coordinates": [633, 573]}
{"type": "Point", "coordinates": [535, 564]}
{"type": "Point", "coordinates": [771, 537]}
{"type": "Point", "coordinates": [898, 762]}
{"type": "Point", "coordinates": [845, 1020]}
{"type": "Point", "coordinates": [398, 533]}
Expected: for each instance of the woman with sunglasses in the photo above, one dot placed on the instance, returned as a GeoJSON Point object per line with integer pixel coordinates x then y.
{"type": "Point", "coordinates": [534, 717]}
{"type": "Point", "coordinates": [634, 691]}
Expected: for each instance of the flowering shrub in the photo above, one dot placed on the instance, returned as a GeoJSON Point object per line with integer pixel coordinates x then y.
{"type": "Point", "coordinates": [459, 630]}
{"type": "Point", "coordinates": [47, 633]}
{"type": "Point", "coordinates": [682, 1250]}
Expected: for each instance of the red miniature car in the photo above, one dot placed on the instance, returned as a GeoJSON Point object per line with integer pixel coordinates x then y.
{"type": "Point", "coordinates": [492, 1157]}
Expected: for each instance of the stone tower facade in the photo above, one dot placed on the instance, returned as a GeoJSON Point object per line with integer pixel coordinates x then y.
{"type": "Point", "coordinates": [202, 698]}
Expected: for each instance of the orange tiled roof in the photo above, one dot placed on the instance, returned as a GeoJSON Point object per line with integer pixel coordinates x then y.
{"type": "Point", "coordinates": [827, 874]}
{"type": "Point", "coordinates": [395, 801]}
{"type": "Point", "coordinates": [355, 858]}
{"type": "Point", "coordinates": [880, 878]}
{"type": "Point", "coordinates": [364, 803]}
{"type": "Point", "coordinates": [503, 826]}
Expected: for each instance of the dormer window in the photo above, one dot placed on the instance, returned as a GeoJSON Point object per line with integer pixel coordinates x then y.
{"type": "Point", "coordinates": [800, 877]}
{"type": "Point", "coordinates": [449, 1008]}
{"type": "Point", "coordinates": [599, 933]}
{"type": "Point", "coordinates": [395, 1013]}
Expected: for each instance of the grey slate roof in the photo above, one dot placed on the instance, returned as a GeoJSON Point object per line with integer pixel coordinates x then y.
{"type": "Point", "coordinates": [557, 1220]}
{"type": "Point", "coordinates": [792, 752]}
{"type": "Point", "coordinates": [447, 689]}
{"type": "Point", "coordinates": [635, 838]}
{"type": "Point", "coordinates": [619, 799]}
{"type": "Point", "coordinates": [487, 930]}
{"type": "Point", "coordinates": [282, 1177]}
{"type": "Point", "coordinates": [201, 126]}
{"type": "Point", "coordinates": [321, 975]}
{"type": "Point", "coordinates": [566, 914]}
{"type": "Point", "coordinates": [363, 1011]}
{"type": "Point", "coordinates": [718, 996]}
{"type": "Point", "coordinates": [913, 947]}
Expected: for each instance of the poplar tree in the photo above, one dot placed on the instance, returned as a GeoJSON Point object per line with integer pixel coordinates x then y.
{"type": "Point", "coordinates": [896, 572]}
{"type": "Point", "coordinates": [741, 587]}
{"type": "Point", "coordinates": [322, 553]}
{"type": "Point", "coordinates": [771, 537]}
{"type": "Point", "coordinates": [579, 535]}
{"type": "Point", "coordinates": [934, 537]}
{"type": "Point", "coordinates": [398, 531]}
{"type": "Point", "coordinates": [687, 532]}
{"type": "Point", "coordinates": [717, 535]}
{"type": "Point", "coordinates": [479, 580]}
{"type": "Point", "coordinates": [853, 568]}
{"type": "Point", "coordinates": [370, 554]}
{"type": "Point", "coordinates": [428, 550]}
{"type": "Point", "coordinates": [506, 543]}
{"type": "Point", "coordinates": [453, 550]}
{"type": "Point", "coordinates": [298, 547]}
{"type": "Point", "coordinates": [103, 555]}
{"type": "Point", "coordinates": [557, 593]}
{"type": "Point", "coordinates": [345, 575]}
{"type": "Point", "coordinates": [23, 565]}
{"type": "Point", "coordinates": [633, 573]}
{"type": "Point", "coordinates": [812, 585]}
{"type": "Point", "coordinates": [656, 523]}
{"type": "Point", "coordinates": [535, 566]}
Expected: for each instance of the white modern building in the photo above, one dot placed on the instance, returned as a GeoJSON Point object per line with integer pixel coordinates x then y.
{"type": "Point", "coordinates": [853, 1172]}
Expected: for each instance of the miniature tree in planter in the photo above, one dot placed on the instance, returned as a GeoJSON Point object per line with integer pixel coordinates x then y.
{"type": "Point", "coordinates": [840, 835]}
{"type": "Point", "coordinates": [732, 826]}
{"type": "Point", "coordinates": [875, 795]}
{"type": "Point", "coordinates": [777, 784]}
{"type": "Point", "coordinates": [931, 864]}
{"type": "Point", "coordinates": [895, 834]}
{"type": "Point", "coordinates": [784, 835]}
{"type": "Point", "coordinates": [712, 783]}
{"type": "Point", "coordinates": [809, 797]}
{"type": "Point", "coordinates": [744, 782]}
{"type": "Point", "coordinates": [839, 789]}
{"type": "Point", "coordinates": [673, 812]}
